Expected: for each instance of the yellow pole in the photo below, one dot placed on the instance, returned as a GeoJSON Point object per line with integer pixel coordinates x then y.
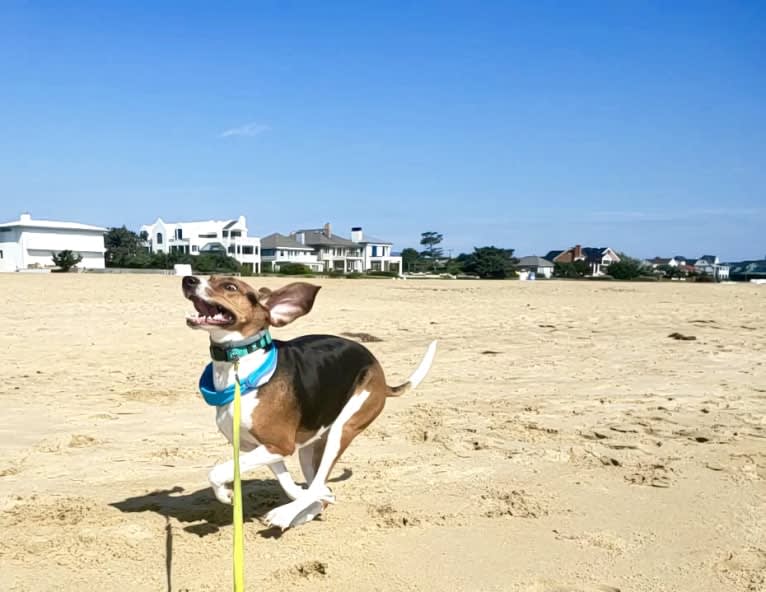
{"type": "Point", "coordinates": [237, 517]}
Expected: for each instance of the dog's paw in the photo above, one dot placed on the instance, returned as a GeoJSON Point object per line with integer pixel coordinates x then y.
{"type": "Point", "coordinates": [224, 494]}
{"type": "Point", "coordinates": [294, 513]}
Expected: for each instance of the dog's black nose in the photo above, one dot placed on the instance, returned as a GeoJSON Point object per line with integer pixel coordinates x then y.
{"type": "Point", "coordinates": [189, 282]}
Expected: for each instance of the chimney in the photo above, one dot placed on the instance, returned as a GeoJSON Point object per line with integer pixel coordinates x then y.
{"type": "Point", "coordinates": [577, 254]}
{"type": "Point", "coordinates": [356, 234]}
{"type": "Point", "coordinates": [327, 230]}
{"type": "Point", "coordinates": [25, 217]}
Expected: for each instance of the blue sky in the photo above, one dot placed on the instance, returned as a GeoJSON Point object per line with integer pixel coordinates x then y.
{"type": "Point", "coordinates": [533, 125]}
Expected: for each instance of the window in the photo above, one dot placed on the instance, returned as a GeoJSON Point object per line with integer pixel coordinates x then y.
{"type": "Point", "coordinates": [225, 234]}
{"type": "Point", "coordinates": [375, 251]}
{"type": "Point", "coordinates": [247, 250]}
{"type": "Point", "coordinates": [209, 235]}
{"type": "Point", "coordinates": [236, 233]}
{"type": "Point", "coordinates": [1, 253]}
{"type": "Point", "coordinates": [231, 248]}
{"type": "Point", "coordinates": [179, 233]}
{"type": "Point", "coordinates": [159, 238]}
{"type": "Point", "coordinates": [195, 249]}
{"type": "Point", "coordinates": [281, 253]}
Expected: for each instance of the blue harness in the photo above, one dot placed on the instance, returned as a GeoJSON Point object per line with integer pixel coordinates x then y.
{"type": "Point", "coordinates": [247, 384]}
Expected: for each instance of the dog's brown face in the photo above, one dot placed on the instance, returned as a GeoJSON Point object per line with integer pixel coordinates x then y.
{"type": "Point", "coordinates": [228, 307]}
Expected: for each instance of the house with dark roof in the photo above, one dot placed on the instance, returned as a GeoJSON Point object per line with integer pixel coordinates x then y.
{"type": "Point", "coordinates": [709, 265]}
{"type": "Point", "coordinates": [358, 254]}
{"type": "Point", "coordinates": [334, 252]}
{"type": "Point", "coordinates": [598, 258]}
{"type": "Point", "coordinates": [278, 249]}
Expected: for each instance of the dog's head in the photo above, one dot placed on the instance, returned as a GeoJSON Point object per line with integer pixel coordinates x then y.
{"type": "Point", "coordinates": [231, 310]}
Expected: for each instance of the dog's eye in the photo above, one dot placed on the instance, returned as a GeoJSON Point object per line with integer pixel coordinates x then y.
{"type": "Point", "coordinates": [231, 287]}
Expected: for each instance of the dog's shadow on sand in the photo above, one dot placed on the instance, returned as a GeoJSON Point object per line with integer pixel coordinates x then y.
{"type": "Point", "coordinates": [205, 514]}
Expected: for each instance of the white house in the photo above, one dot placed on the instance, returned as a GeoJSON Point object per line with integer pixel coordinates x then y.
{"type": "Point", "coordinates": [334, 252]}
{"type": "Point", "coordinates": [376, 253]}
{"type": "Point", "coordinates": [278, 249]}
{"type": "Point", "coordinates": [540, 266]}
{"type": "Point", "coordinates": [209, 236]}
{"type": "Point", "coordinates": [27, 243]}
{"type": "Point", "coordinates": [710, 265]}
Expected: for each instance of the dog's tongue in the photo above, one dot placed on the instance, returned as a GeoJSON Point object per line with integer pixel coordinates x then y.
{"type": "Point", "coordinates": [205, 309]}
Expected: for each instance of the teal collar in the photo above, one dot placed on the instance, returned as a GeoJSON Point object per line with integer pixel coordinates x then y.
{"type": "Point", "coordinates": [220, 353]}
{"type": "Point", "coordinates": [258, 377]}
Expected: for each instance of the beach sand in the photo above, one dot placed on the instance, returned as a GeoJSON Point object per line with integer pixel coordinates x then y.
{"type": "Point", "coordinates": [562, 442]}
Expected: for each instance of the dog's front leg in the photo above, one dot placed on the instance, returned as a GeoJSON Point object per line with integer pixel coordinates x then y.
{"type": "Point", "coordinates": [293, 490]}
{"type": "Point", "coordinates": [222, 475]}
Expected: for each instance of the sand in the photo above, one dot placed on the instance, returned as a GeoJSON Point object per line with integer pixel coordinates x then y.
{"type": "Point", "coordinates": [562, 442]}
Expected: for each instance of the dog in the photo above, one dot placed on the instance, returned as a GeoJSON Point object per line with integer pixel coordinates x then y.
{"type": "Point", "coordinates": [313, 394]}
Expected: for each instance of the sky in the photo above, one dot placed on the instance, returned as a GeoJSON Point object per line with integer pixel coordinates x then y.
{"type": "Point", "coordinates": [633, 124]}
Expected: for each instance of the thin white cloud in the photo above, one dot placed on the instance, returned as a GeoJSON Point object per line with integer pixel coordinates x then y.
{"type": "Point", "coordinates": [248, 130]}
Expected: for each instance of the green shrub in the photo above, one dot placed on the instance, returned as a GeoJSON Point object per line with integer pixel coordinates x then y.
{"type": "Point", "coordinates": [382, 273]}
{"type": "Point", "coordinates": [705, 279]}
{"type": "Point", "coordinates": [66, 260]}
{"type": "Point", "coordinates": [294, 269]}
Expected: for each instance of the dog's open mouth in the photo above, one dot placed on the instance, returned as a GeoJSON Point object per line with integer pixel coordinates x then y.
{"type": "Point", "coordinates": [208, 313]}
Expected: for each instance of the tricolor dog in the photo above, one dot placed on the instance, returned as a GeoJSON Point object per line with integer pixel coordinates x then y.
{"type": "Point", "coordinates": [313, 394]}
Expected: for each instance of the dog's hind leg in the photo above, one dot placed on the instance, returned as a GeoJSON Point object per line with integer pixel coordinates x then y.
{"type": "Point", "coordinates": [360, 410]}
{"type": "Point", "coordinates": [310, 456]}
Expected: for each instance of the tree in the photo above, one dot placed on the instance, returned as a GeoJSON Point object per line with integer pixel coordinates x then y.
{"type": "Point", "coordinates": [66, 260]}
{"type": "Point", "coordinates": [410, 258]}
{"type": "Point", "coordinates": [457, 265]}
{"type": "Point", "coordinates": [577, 269]}
{"type": "Point", "coordinates": [627, 268]}
{"type": "Point", "coordinates": [429, 240]}
{"type": "Point", "coordinates": [121, 246]}
{"type": "Point", "coordinates": [670, 271]}
{"type": "Point", "coordinates": [490, 262]}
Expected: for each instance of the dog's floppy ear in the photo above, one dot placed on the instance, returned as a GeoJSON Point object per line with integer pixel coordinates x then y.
{"type": "Point", "coordinates": [289, 302]}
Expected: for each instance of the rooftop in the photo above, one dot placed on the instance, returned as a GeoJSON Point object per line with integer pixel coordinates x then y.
{"type": "Point", "coordinates": [280, 241]}
{"type": "Point", "coordinates": [317, 237]}
{"type": "Point", "coordinates": [26, 221]}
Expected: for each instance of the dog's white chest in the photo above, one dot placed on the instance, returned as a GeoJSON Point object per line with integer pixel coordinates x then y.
{"type": "Point", "coordinates": [224, 418]}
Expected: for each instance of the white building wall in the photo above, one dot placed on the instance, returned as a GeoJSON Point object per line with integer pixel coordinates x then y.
{"type": "Point", "coordinates": [40, 244]}
{"type": "Point", "coordinates": [11, 250]}
{"type": "Point", "coordinates": [211, 231]}
{"type": "Point", "coordinates": [34, 247]}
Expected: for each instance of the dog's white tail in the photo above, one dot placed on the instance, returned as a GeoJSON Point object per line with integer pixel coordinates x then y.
{"type": "Point", "coordinates": [417, 376]}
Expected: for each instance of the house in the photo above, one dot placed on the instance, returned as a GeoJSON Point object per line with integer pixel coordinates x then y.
{"type": "Point", "coordinates": [27, 243]}
{"type": "Point", "coordinates": [709, 265]}
{"type": "Point", "coordinates": [598, 258]}
{"type": "Point", "coordinates": [209, 236]}
{"type": "Point", "coordinates": [278, 249]}
{"type": "Point", "coordinates": [336, 253]}
{"type": "Point", "coordinates": [539, 265]}
{"type": "Point", "coordinates": [376, 253]}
